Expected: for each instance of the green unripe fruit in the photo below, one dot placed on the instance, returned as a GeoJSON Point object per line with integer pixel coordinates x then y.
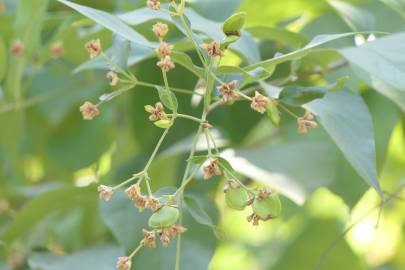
{"type": "Point", "coordinates": [234, 23]}
{"type": "Point", "coordinates": [236, 198]}
{"type": "Point", "coordinates": [267, 208]}
{"type": "Point", "coordinates": [165, 217]}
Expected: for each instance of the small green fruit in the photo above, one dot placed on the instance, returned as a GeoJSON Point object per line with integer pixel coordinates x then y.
{"type": "Point", "coordinates": [234, 23]}
{"type": "Point", "coordinates": [236, 198]}
{"type": "Point", "coordinates": [267, 208]}
{"type": "Point", "coordinates": [273, 113]}
{"type": "Point", "coordinates": [165, 217]}
{"type": "Point", "coordinates": [164, 123]}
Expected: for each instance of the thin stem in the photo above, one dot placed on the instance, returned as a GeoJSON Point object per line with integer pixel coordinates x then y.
{"type": "Point", "coordinates": [213, 141]}
{"type": "Point", "coordinates": [136, 250]}
{"type": "Point", "coordinates": [207, 138]}
{"type": "Point", "coordinates": [185, 116]}
{"type": "Point", "coordinates": [250, 190]}
{"type": "Point", "coordinates": [147, 182]}
{"type": "Point", "coordinates": [168, 91]}
{"type": "Point", "coordinates": [287, 110]}
{"type": "Point", "coordinates": [244, 96]}
{"type": "Point", "coordinates": [152, 157]}
{"type": "Point", "coordinates": [174, 89]}
{"type": "Point", "coordinates": [129, 180]}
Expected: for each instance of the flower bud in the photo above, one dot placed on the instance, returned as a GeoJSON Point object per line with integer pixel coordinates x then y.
{"type": "Point", "coordinates": [113, 78]}
{"type": "Point", "coordinates": [160, 29]}
{"type": "Point", "coordinates": [213, 49]}
{"type": "Point", "coordinates": [57, 49]}
{"type": "Point", "coordinates": [164, 50]}
{"type": "Point", "coordinates": [166, 64]}
{"type": "Point", "coordinates": [259, 103]}
{"type": "Point", "coordinates": [153, 4]}
{"type": "Point", "coordinates": [124, 263]}
{"type": "Point", "coordinates": [105, 192]}
{"type": "Point", "coordinates": [165, 217]}
{"type": "Point", "coordinates": [93, 47]}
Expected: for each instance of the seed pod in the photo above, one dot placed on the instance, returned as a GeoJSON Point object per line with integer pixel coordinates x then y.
{"type": "Point", "coordinates": [165, 217]}
{"type": "Point", "coordinates": [233, 24]}
{"type": "Point", "coordinates": [236, 198]}
{"type": "Point", "coordinates": [273, 113]}
{"type": "Point", "coordinates": [267, 208]}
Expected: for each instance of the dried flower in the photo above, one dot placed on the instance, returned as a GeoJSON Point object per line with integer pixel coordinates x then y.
{"type": "Point", "coordinates": [153, 4]}
{"type": "Point", "coordinates": [93, 47]}
{"type": "Point", "coordinates": [140, 202]}
{"type": "Point", "coordinates": [89, 110]}
{"type": "Point", "coordinates": [164, 50]}
{"type": "Point", "coordinates": [306, 122]}
{"type": "Point", "coordinates": [228, 91]}
{"type": "Point", "coordinates": [212, 169]}
{"type": "Point", "coordinates": [133, 191]}
{"type": "Point", "coordinates": [231, 184]}
{"type": "Point", "coordinates": [152, 203]}
{"type": "Point", "coordinates": [160, 29]}
{"type": "Point", "coordinates": [105, 192]}
{"type": "Point", "coordinates": [176, 230]}
{"type": "Point", "coordinates": [166, 64]}
{"type": "Point", "coordinates": [57, 49]}
{"type": "Point", "coordinates": [259, 102]}
{"type": "Point", "coordinates": [113, 78]}
{"type": "Point", "coordinates": [213, 49]}
{"type": "Point", "coordinates": [17, 48]}
{"type": "Point", "coordinates": [156, 112]}
{"type": "Point", "coordinates": [254, 219]}
{"type": "Point", "coordinates": [124, 263]}
{"type": "Point", "coordinates": [164, 236]}
{"type": "Point", "coordinates": [149, 238]}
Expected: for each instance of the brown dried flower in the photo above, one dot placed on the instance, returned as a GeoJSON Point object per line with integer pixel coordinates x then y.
{"type": "Point", "coordinates": [254, 219]}
{"type": "Point", "coordinates": [259, 102]}
{"type": "Point", "coordinates": [156, 112]}
{"type": "Point", "coordinates": [133, 191]}
{"type": "Point", "coordinates": [57, 49]}
{"type": "Point", "coordinates": [89, 110]}
{"type": "Point", "coordinates": [105, 192]}
{"type": "Point", "coordinates": [305, 122]}
{"type": "Point", "coordinates": [166, 64]}
{"type": "Point", "coordinates": [228, 91]}
{"type": "Point", "coordinates": [140, 202]}
{"type": "Point", "coordinates": [160, 29]}
{"type": "Point", "coordinates": [124, 263]}
{"type": "Point", "coordinates": [213, 49]}
{"type": "Point", "coordinates": [17, 48]}
{"type": "Point", "coordinates": [152, 203]}
{"type": "Point", "coordinates": [212, 169]}
{"type": "Point", "coordinates": [164, 236]}
{"type": "Point", "coordinates": [93, 47]}
{"type": "Point", "coordinates": [176, 230]}
{"type": "Point", "coordinates": [164, 50]}
{"type": "Point", "coordinates": [113, 78]}
{"type": "Point", "coordinates": [153, 4]}
{"type": "Point", "coordinates": [149, 238]}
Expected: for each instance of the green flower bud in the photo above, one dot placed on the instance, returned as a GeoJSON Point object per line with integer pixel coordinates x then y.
{"type": "Point", "coordinates": [165, 217]}
{"type": "Point", "coordinates": [236, 198]}
{"type": "Point", "coordinates": [267, 208]}
{"type": "Point", "coordinates": [233, 24]}
{"type": "Point", "coordinates": [164, 123]}
{"type": "Point", "coordinates": [273, 113]}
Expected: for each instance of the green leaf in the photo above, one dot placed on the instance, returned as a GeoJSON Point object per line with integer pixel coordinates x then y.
{"type": "Point", "coordinates": [168, 98]}
{"type": "Point", "coordinates": [315, 42]}
{"type": "Point", "coordinates": [273, 113]}
{"type": "Point", "coordinates": [198, 159]}
{"type": "Point", "coordinates": [251, 76]}
{"type": "Point", "coordinates": [346, 118]}
{"type": "Point", "coordinates": [110, 22]}
{"type": "Point", "coordinates": [3, 59]}
{"type": "Point", "coordinates": [120, 52]}
{"type": "Point", "coordinates": [225, 164]}
{"type": "Point", "coordinates": [37, 209]}
{"type": "Point", "coordinates": [396, 5]}
{"type": "Point", "coordinates": [185, 60]}
{"type": "Point", "coordinates": [299, 95]}
{"type": "Point", "coordinates": [382, 59]}
{"type": "Point", "coordinates": [280, 34]}
{"type": "Point", "coordinates": [358, 19]}
{"type": "Point", "coordinates": [101, 257]}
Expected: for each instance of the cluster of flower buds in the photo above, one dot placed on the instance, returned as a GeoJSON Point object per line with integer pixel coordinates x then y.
{"type": "Point", "coordinates": [229, 91]}
{"type": "Point", "coordinates": [213, 49]}
{"type": "Point", "coordinates": [164, 50]}
{"type": "Point", "coordinates": [89, 110]}
{"type": "Point", "coordinates": [17, 48]}
{"type": "Point", "coordinates": [305, 122]}
{"type": "Point", "coordinates": [142, 201]}
{"type": "Point", "coordinates": [93, 47]}
{"type": "Point", "coordinates": [265, 205]}
{"type": "Point", "coordinates": [212, 169]}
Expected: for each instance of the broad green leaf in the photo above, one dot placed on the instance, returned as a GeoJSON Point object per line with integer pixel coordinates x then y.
{"type": "Point", "coordinates": [101, 257]}
{"type": "Point", "coordinates": [120, 52]}
{"type": "Point", "coordinates": [217, 10]}
{"type": "Point", "coordinates": [346, 118]}
{"type": "Point", "coordinates": [185, 60]}
{"type": "Point", "coordinates": [382, 59]}
{"type": "Point", "coordinates": [396, 5]}
{"type": "Point", "coordinates": [168, 98]}
{"type": "Point", "coordinates": [225, 164]}
{"type": "Point", "coordinates": [110, 22]}
{"type": "Point", "coordinates": [37, 209]}
{"type": "Point", "coordinates": [315, 42]}
{"type": "Point", "coordinates": [279, 34]}
{"type": "Point", "coordinates": [247, 77]}
{"type": "Point", "coordinates": [357, 18]}
{"type": "Point", "coordinates": [198, 159]}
